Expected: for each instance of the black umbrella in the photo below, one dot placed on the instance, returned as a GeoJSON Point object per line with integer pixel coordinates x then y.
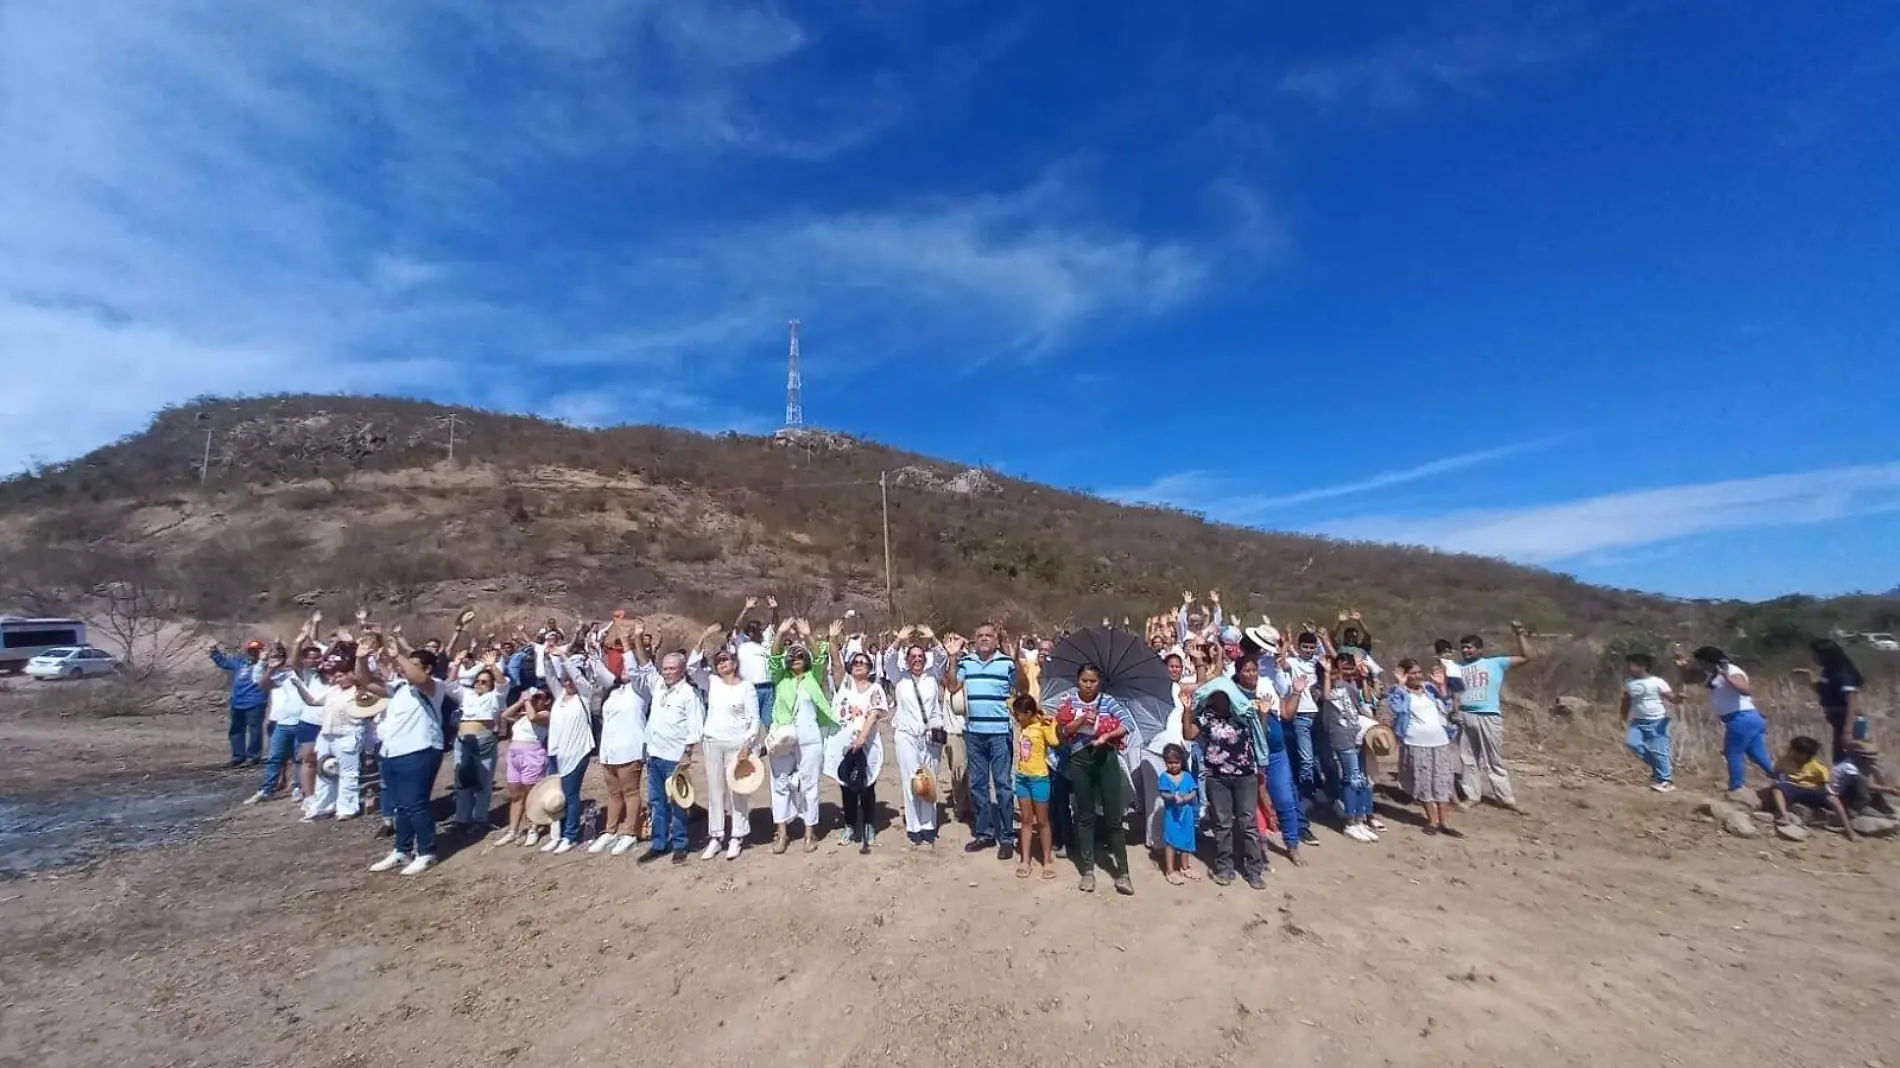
{"type": "Point", "coordinates": [1132, 673]}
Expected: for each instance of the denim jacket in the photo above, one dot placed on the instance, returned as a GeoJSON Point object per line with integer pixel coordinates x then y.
{"type": "Point", "coordinates": [246, 693]}
{"type": "Point", "coordinates": [1401, 710]}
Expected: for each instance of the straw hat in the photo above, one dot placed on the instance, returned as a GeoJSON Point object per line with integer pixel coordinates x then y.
{"type": "Point", "coordinates": [366, 705]}
{"type": "Point", "coordinates": [746, 775]}
{"type": "Point", "coordinates": [546, 801]}
{"type": "Point", "coordinates": [463, 620]}
{"type": "Point", "coordinates": [1380, 740]}
{"type": "Point", "coordinates": [327, 768]}
{"type": "Point", "coordinates": [960, 704]}
{"type": "Point", "coordinates": [679, 789]}
{"type": "Point", "coordinates": [1266, 636]}
{"type": "Point", "coordinates": [923, 785]}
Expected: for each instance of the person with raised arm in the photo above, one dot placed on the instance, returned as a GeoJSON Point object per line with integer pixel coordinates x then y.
{"type": "Point", "coordinates": [409, 732]}
{"type": "Point", "coordinates": [801, 720]}
{"type": "Point", "coordinates": [1481, 719]}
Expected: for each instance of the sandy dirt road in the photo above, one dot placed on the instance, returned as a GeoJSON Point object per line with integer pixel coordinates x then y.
{"type": "Point", "coordinates": [1610, 926]}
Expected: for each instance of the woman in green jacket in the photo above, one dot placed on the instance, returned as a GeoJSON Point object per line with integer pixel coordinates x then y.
{"type": "Point", "coordinates": [801, 719]}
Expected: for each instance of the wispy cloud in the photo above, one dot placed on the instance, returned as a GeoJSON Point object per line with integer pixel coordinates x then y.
{"type": "Point", "coordinates": [1404, 73]}
{"type": "Point", "coordinates": [1230, 500]}
{"type": "Point", "coordinates": [1554, 532]}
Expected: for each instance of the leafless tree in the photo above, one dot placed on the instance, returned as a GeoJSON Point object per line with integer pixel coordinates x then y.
{"type": "Point", "coordinates": [143, 620]}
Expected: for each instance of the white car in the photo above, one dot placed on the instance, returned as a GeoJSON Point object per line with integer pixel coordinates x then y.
{"type": "Point", "coordinates": [1884, 643]}
{"type": "Point", "coordinates": [71, 662]}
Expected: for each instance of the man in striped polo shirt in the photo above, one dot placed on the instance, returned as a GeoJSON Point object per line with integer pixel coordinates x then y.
{"type": "Point", "coordinates": [986, 675]}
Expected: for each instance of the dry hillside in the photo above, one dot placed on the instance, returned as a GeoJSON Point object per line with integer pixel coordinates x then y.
{"type": "Point", "coordinates": [344, 500]}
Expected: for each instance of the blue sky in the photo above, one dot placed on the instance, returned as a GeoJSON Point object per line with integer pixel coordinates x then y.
{"type": "Point", "coordinates": [1606, 289]}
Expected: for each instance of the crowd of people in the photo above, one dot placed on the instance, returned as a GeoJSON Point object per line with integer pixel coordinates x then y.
{"type": "Point", "coordinates": [1048, 756]}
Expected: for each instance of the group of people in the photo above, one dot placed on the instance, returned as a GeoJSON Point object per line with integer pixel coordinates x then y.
{"type": "Point", "coordinates": [1257, 734]}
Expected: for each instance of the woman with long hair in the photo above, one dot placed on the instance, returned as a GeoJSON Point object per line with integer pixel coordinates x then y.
{"type": "Point", "coordinates": [801, 719]}
{"type": "Point", "coordinates": [1096, 726]}
{"type": "Point", "coordinates": [1744, 731]}
{"type": "Point", "coordinates": [860, 705]}
{"type": "Point", "coordinates": [732, 726]}
{"type": "Point", "coordinates": [1836, 687]}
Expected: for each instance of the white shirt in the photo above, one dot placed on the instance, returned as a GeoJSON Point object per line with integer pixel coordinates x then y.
{"type": "Point", "coordinates": [481, 707]}
{"type": "Point", "coordinates": [919, 705]}
{"type": "Point", "coordinates": [526, 729]}
{"type": "Point", "coordinates": [570, 730]}
{"type": "Point", "coordinates": [755, 660]}
{"type": "Point", "coordinates": [319, 689]}
{"type": "Point", "coordinates": [1303, 675]}
{"type": "Point", "coordinates": [410, 724]}
{"type": "Point", "coordinates": [1726, 698]}
{"type": "Point", "coordinates": [1646, 697]}
{"type": "Point", "coordinates": [286, 704]}
{"type": "Point", "coordinates": [1454, 671]}
{"type": "Point", "coordinates": [1427, 725]}
{"type": "Point", "coordinates": [732, 711]}
{"type": "Point", "coordinates": [676, 720]}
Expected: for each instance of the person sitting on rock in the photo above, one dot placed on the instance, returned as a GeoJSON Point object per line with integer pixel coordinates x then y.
{"type": "Point", "coordinates": [1802, 779]}
{"type": "Point", "coordinates": [1856, 780]}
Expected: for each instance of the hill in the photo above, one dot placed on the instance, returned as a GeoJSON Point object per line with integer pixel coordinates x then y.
{"type": "Point", "coordinates": [343, 500]}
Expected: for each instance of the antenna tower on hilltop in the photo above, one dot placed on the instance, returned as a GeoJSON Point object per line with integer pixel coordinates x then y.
{"type": "Point", "coordinates": [794, 386]}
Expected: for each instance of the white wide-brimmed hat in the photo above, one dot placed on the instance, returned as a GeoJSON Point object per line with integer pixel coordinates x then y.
{"type": "Point", "coordinates": [546, 802]}
{"type": "Point", "coordinates": [327, 768]}
{"type": "Point", "coordinates": [746, 775]}
{"type": "Point", "coordinates": [781, 739]}
{"type": "Point", "coordinates": [366, 705]}
{"type": "Point", "coordinates": [679, 789]}
{"type": "Point", "coordinates": [1266, 636]}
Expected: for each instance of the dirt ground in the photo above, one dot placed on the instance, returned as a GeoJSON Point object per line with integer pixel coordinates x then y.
{"type": "Point", "coordinates": [1609, 926]}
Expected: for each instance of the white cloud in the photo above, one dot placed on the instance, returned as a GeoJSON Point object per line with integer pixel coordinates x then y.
{"type": "Point", "coordinates": [1229, 500]}
{"type": "Point", "coordinates": [1547, 533]}
{"type": "Point", "coordinates": [1403, 73]}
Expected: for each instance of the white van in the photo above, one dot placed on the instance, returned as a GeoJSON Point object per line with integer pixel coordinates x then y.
{"type": "Point", "coordinates": [23, 639]}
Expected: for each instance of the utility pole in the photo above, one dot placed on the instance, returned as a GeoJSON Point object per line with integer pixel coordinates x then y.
{"type": "Point", "coordinates": [204, 466]}
{"type": "Point", "coordinates": [451, 437]}
{"type": "Point", "coordinates": [890, 594]}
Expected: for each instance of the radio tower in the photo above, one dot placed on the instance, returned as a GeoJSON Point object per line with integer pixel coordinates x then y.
{"type": "Point", "coordinates": [794, 387]}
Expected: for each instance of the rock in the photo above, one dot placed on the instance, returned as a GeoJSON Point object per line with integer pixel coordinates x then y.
{"type": "Point", "coordinates": [1806, 814]}
{"type": "Point", "coordinates": [1748, 799]}
{"type": "Point", "coordinates": [1571, 707]}
{"type": "Point", "coordinates": [1876, 826]}
{"type": "Point", "coordinates": [308, 598]}
{"type": "Point", "coordinates": [1762, 817]}
{"type": "Point", "coordinates": [1719, 810]}
{"type": "Point", "coordinates": [1739, 825]}
{"type": "Point", "coordinates": [1789, 832]}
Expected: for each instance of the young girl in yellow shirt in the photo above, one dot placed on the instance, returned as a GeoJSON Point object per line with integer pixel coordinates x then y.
{"type": "Point", "coordinates": [1035, 736]}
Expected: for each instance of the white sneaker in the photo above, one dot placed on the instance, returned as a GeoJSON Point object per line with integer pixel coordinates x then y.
{"type": "Point", "coordinates": [1358, 833]}
{"type": "Point", "coordinates": [1664, 787]}
{"type": "Point", "coordinates": [308, 817]}
{"type": "Point", "coordinates": [256, 797]}
{"type": "Point", "coordinates": [506, 837]}
{"type": "Point", "coordinates": [528, 840]}
{"type": "Point", "coordinates": [733, 848]}
{"type": "Point", "coordinates": [419, 865]}
{"type": "Point", "coordinates": [552, 843]}
{"type": "Point", "coordinates": [1371, 835]}
{"type": "Point", "coordinates": [712, 850]}
{"type": "Point", "coordinates": [624, 843]}
{"type": "Point", "coordinates": [396, 858]}
{"type": "Point", "coordinates": [296, 793]}
{"type": "Point", "coordinates": [561, 847]}
{"type": "Point", "coordinates": [601, 843]}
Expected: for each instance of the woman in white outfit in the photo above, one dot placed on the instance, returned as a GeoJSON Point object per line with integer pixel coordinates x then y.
{"type": "Point", "coordinates": [476, 744]}
{"type": "Point", "coordinates": [918, 720]}
{"type": "Point", "coordinates": [623, 753]}
{"type": "Point", "coordinates": [570, 742]}
{"type": "Point", "coordinates": [341, 737]}
{"type": "Point", "coordinates": [860, 705]}
{"type": "Point", "coordinates": [801, 718]}
{"type": "Point", "coordinates": [732, 722]}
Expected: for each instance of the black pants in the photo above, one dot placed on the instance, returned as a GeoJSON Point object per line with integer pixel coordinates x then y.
{"type": "Point", "coordinates": [1233, 799]}
{"type": "Point", "coordinates": [859, 805]}
{"type": "Point", "coordinates": [1061, 811]}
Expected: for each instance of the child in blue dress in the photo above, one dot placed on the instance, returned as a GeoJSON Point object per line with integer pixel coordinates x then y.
{"type": "Point", "coordinates": [1178, 792]}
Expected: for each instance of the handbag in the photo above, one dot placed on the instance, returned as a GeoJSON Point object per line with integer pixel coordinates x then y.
{"type": "Point", "coordinates": [935, 735]}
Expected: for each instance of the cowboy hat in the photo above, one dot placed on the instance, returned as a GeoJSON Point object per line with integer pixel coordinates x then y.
{"type": "Point", "coordinates": [327, 768]}
{"type": "Point", "coordinates": [1380, 740]}
{"type": "Point", "coordinates": [959, 704]}
{"type": "Point", "coordinates": [1266, 636]}
{"type": "Point", "coordinates": [746, 775]}
{"type": "Point", "coordinates": [923, 785]}
{"type": "Point", "coordinates": [366, 705]}
{"type": "Point", "coordinates": [546, 801]}
{"type": "Point", "coordinates": [679, 788]}
{"type": "Point", "coordinates": [463, 620]}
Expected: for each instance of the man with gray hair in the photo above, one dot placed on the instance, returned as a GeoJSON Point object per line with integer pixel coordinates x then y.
{"type": "Point", "coordinates": [675, 721]}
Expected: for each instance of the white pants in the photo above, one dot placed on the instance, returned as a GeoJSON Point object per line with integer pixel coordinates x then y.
{"type": "Point", "coordinates": [806, 762]}
{"type": "Point", "coordinates": [1481, 752]}
{"type": "Point", "coordinates": [914, 753]}
{"type": "Point", "coordinates": [343, 795]}
{"type": "Point", "coordinates": [720, 800]}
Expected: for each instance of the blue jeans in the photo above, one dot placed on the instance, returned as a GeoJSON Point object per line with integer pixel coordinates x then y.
{"type": "Point", "coordinates": [283, 750]}
{"type": "Point", "coordinates": [1306, 760]}
{"type": "Point", "coordinates": [1284, 798]}
{"type": "Point", "coordinates": [571, 794]}
{"type": "Point", "coordinates": [669, 820]}
{"type": "Point", "coordinates": [765, 690]}
{"type": "Point", "coordinates": [1355, 789]}
{"type": "Point", "coordinates": [991, 769]}
{"type": "Point", "coordinates": [1745, 734]}
{"type": "Point", "coordinates": [247, 733]}
{"type": "Point", "coordinates": [475, 777]}
{"type": "Point", "coordinates": [407, 782]}
{"type": "Point", "coordinates": [1649, 740]}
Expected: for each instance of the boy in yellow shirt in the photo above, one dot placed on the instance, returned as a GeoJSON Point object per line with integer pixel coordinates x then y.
{"type": "Point", "coordinates": [1035, 736]}
{"type": "Point", "coordinates": [1802, 778]}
